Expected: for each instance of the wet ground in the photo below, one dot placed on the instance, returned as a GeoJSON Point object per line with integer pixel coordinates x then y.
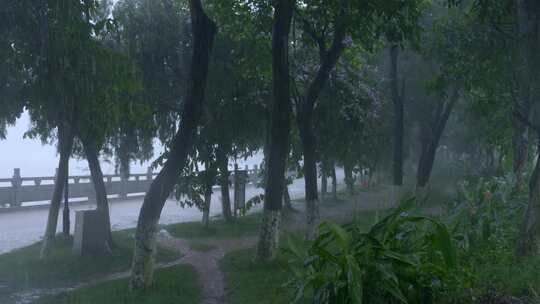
{"type": "Point", "coordinates": [22, 228]}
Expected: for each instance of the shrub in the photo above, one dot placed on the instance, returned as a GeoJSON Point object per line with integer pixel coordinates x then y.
{"type": "Point", "coordinates": [403, 258]}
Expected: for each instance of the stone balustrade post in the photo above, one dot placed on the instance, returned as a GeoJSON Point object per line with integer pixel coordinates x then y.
{"type": "Point", "coordinates": [16, 183]}
{"type": "Point", "coordinates": [149, 174]}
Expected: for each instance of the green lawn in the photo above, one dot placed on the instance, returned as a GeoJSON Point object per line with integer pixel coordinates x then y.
{"type": "Point", "coordinates": [201, 246]}
{"type": "Point", "coordinates": [508, 275]}
{"type": "Point", "coordinates": [22, 268]}
{"type": "Point", "coordinates": [242, 226]}
{"type": "Point", "coordinates": [172, 285]}
{"type": "Point", "coordinates": [266, 283]}
{"type": "Point", "coordinates": [255, 283]}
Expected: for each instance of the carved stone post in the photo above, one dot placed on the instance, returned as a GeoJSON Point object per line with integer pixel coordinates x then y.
{"type": "Point", "coordinates": [149, 174]}
{"type": "Point", "coordinates": [16, 183]}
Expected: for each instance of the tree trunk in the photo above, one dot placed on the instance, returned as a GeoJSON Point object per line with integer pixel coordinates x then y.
{"type": "Point", "coordinates": [206, 208]}
{"type": "Point", "coordinates": [334, 182]}
{"type": "Point", "coordinates": [397, 165]}
{"type": "Point", "coordinates": [278, 145]}
{"type": "Point", "coordinates": [349, 179]}
{"type": "Point", "coordinates": [520, 142]}
{"type": "Point", "coordinates": [102, 202]}
{"type": "Point", "coordinates": [528, 20]}
{"type": "Point", "coordinates": [225, 193]}
{"type": "Point", "coordinates": [203, 30]}
{"type": "Point", "coordinates": [310, 177]}
{"type": "Point", "coordinates": [529, 227]}
{"type": "Point", "coordinates": [430, 139]}
{"type": "Point", "coordinates": [65, 144]}
{"type": "Point", "coordinates": [324, 182]}
{"type": "Point", "coordinates": [425, 164]}
{"type": "Point", "coordinates": [527, 13]}
{"type": "Point", "coordinates": [287, 199]}
{"type": "Point", "coordinates": [328, 60]}
{"type": "Point", "coordinates": [65, 219]}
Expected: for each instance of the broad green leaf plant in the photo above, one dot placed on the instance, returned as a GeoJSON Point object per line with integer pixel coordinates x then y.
{"type": "Point", "coordinates": [403, 258]}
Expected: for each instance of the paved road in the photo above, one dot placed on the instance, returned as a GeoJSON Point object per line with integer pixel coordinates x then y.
{"type": "Point", "coordinates": [21, 228]}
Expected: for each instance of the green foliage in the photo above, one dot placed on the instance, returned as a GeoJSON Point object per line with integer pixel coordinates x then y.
{"type": "Point", "coordinates": [22, 268]}
{"type": "Point", "coordinates": [241, 227]}
{"type": "Point", "coordinates": [176, 284]}
{"type": "Point", "coordinates": [484, 221]}
{"type": "Point", "coordinates": [485, 216]}
{"type": "Point", "coordinates": [201, 246]}
{"type": "Point", "coordinates": [403, 258]}
{"type": "Point", "coordinates": [251, 282]}
{"type": "Point", "coordinates": [252, 202]}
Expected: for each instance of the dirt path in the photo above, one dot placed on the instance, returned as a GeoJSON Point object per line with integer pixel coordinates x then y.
{"type": "Point", "coordinates": [212, 281]}
{"type": "Point", "coordinates": [206, 263]}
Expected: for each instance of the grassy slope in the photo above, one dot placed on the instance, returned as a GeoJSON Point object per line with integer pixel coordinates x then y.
{"type": "Point", "coordinates": [243, 226]}
{"type": "Point", "coordinates": [22, 268]}
{"type": "Point", "coordinates": [255, 283]}
{"type": "Point", "coordinates": [172, 285]}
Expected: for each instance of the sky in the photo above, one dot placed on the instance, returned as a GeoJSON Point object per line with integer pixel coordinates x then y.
{"type": "Point", "coordinates": [35, 159]}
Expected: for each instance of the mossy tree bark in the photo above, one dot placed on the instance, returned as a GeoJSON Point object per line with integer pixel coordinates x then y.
{"type": "Point", "coordinates": [203, 31]}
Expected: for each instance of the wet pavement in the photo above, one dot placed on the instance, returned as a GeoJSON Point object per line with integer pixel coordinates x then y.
{"type": "Point", "coordinates": [24, 227]}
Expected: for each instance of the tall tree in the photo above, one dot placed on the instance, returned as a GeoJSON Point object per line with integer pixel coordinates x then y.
{"type": "Point", "coordinates": [61, 61]}
{"type": "Point", "coordinates": [528, 18]}
{"type": "Point", "coordinates": [203, 32]}
{"type": "Point", "coordinates": [330, 26]}
{"type": "Point", "coordinates": [278, 145]}
{"type": "Point", "coordinates": [397, 100]}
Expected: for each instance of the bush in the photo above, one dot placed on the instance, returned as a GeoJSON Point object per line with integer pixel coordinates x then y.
{"type": "Point", "coordinates": [404, 258]}
{"type": "Point", "coordinates": [486, 214]}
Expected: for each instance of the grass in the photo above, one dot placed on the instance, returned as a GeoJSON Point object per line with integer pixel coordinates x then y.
{"type": "Point", "coordinates": [265, 283]}
{"type": "Point", "coordinates": [201, 247]}
{"type": "Point", "coordinates": [22, 268]}
{"type": "Point", "coordinates": [255, 283]}
{"type": "Point", "coordinates": [512, 277]}
{"type": "Point", "coordinates": [172, 285]}
{"type": "Point", "coordinates": [241, 227]}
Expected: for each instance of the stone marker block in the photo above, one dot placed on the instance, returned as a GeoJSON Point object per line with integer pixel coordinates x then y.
{"type": "Point", "coordinates": [90, 233]}
{"type": "Point", "coordinates": [240, 180]}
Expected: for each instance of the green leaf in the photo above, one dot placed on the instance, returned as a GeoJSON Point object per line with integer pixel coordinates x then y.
{"type": "Point", "coordinates": [354, 280]}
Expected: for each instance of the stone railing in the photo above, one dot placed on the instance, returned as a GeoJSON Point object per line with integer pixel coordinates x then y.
{"type": "Point", "coordinates": [17, 190]}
